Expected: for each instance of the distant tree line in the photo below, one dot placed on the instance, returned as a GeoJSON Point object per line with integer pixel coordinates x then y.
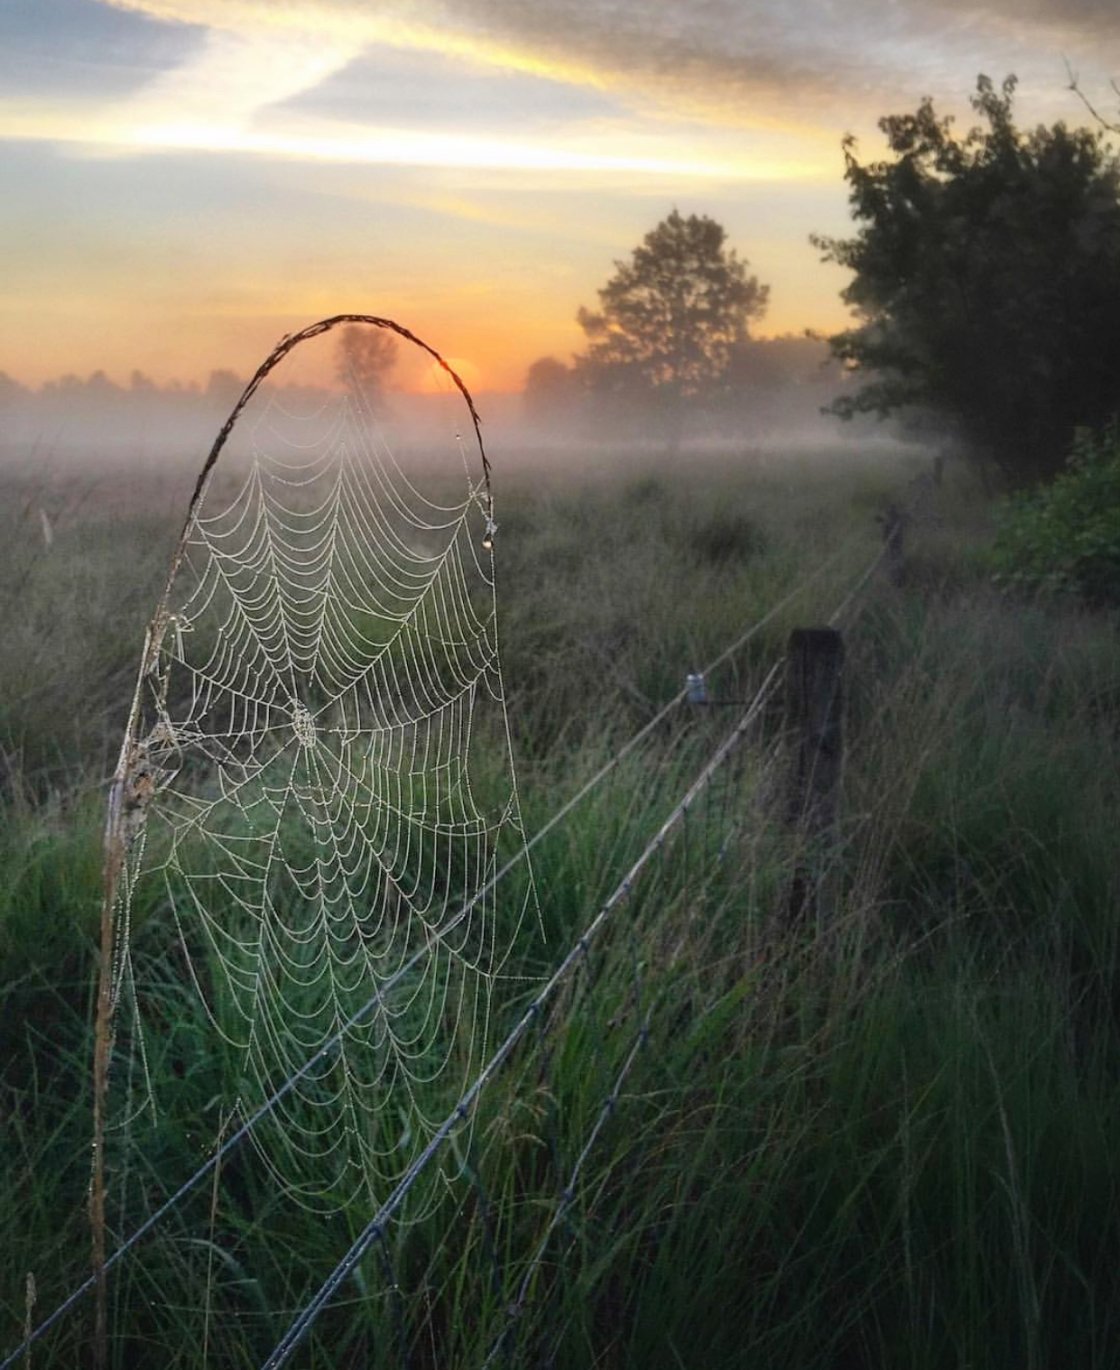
{"type": "Point", "coordinates": [363, 357]}
{"type": "Point", "coordinates": [97, 389]}
{"type": "Point", "coordinates": [96, 410]}
{"type": "Point", "coordinates": [137, 418]}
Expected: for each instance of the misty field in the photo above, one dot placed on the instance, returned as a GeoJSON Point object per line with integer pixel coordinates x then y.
{"type": "Point", "coordinates": [887, 1140]}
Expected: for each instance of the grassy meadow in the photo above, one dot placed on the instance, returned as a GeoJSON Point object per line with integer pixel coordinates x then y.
{"type": "Point", "coordinates": [885, 1140]}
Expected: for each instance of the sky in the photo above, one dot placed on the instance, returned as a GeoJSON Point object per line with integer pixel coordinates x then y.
{"type": "Point", "coordinates": [184, 181]}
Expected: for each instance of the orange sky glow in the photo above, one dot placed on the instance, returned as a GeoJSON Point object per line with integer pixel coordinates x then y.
{"type": "Point", "coordinates": [191, 179]}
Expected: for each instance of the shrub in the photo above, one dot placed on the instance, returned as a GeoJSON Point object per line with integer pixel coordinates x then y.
{"type": "Point", "coordinates": [1066, 537]}
{"type": "Point", "coordinates": [726, 537]}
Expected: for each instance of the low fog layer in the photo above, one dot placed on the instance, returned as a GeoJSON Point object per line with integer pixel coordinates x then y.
{"type": "Point", "coordinates": [774, 406]}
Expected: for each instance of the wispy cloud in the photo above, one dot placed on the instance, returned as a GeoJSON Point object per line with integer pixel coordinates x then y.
{"type": "Point", "coordinates": [748, 65]}
{"type": "Point", "coordinates": [176, 130]}
{"type": "Point", "coordinates": [232, 94]}
{"type": "Point", "coordinates": [739, 62]}
{"type": "Point", "coordinates": [233, 76]}
{"type": "Point", "coordinates": [408, 147]}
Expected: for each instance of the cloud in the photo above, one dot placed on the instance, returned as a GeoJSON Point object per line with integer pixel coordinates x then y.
{"type": "Point", "coordinates": [409, 147]}
{"type": "Point", "coordinates": [184, 129]}
{"type": "Point", "coordinates": [712, 57]}
{"type": "Point", "coordinates": [233, 75]}
{"type": "Point", "coordinates": [1071, 16]}
{"type": "Point", "coordinates": [737, 62]}
{"type": "Point", "coordinates": [686, 80]}
{"type": "Point", "coordinates": [233, 93]}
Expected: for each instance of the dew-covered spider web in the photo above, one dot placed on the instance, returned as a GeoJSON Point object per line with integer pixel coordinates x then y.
{"type": "Point", "coordinates": [317, 788]}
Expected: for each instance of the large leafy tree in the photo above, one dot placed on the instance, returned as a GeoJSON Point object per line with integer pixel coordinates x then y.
{"type": "Point", "coordinates": [986, 280]}
{"type": "Point", "coordinates": [669, 319]}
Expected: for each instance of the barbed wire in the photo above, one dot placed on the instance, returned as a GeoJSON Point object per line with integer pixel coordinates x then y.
{"type": "Point", "coordinates": [376, 999]}
{"type": "Point", "coordinates": [376, 1226]}
{"type": "Point", "coordinates": [567, 1194]}
{"type": "Point", "coordinates": [844, 605]}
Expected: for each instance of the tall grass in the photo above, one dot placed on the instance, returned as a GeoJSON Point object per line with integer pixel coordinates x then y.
{"type": "Point", "coordinates": [885, 1142]}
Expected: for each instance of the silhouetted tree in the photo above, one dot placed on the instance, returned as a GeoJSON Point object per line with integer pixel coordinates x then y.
{"type": "Point", "coordinates": [140, 384]}
{"type": "Point", "coordinates": [670, 318]}
{"type": "Point", "coordinates": [550, 389]}
{"type": "Point", "coordinates": [223, 390]}
{"type": "Point", "coordinates": [365, 355]}
{"type": "Point", "coordinates": [986, 280]}
{"type": "Point", "coordinates": [11, 391]}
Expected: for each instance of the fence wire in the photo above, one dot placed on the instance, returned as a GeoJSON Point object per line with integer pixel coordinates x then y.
{"type": "Point", "coordinates": [375, 1232]}
{"type": "Point", "coordinates": [461, 1112]}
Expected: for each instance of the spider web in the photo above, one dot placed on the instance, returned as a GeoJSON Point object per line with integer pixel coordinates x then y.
{"type": "Point", "coordinates": [318, 781]}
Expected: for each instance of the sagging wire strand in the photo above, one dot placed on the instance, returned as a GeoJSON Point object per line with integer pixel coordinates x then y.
{"type": "Point", "coordinates": [503, 1344]}
{"type": "Point", "coordinates": [677, 819]}
{"type": "Point", "coordinates": [300, 1327]}
{"type": "Point", "coordinates": [374, 1229]}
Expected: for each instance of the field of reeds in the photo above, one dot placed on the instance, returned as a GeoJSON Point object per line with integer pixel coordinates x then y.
{"type": "Point", "coordinates": [885, 1138]}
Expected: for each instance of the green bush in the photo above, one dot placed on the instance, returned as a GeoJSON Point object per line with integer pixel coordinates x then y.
{"type": "Point", "coordinates": [1066, 536]}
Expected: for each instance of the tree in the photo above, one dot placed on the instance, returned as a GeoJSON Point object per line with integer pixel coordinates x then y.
{"type": "Point", "coordinates": [11, 391]}
{"type": "Point", "coordinates": [549, 389]}
{"type": "Point", "coordinates": [670, 318]}
{"type": "Point", "coordinates": [986, 281]}
{"type": "Point", "coordinates": [364, 357]}
{"type": "Point", "coordinates": [223, 390]}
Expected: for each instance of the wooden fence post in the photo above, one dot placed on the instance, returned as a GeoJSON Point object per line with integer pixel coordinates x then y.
{"type": "Point", "coordinates": [814, 716]}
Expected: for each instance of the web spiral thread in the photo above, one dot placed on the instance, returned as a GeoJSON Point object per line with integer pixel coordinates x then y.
{"type": "Point", "coordinates": [319, 781]}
